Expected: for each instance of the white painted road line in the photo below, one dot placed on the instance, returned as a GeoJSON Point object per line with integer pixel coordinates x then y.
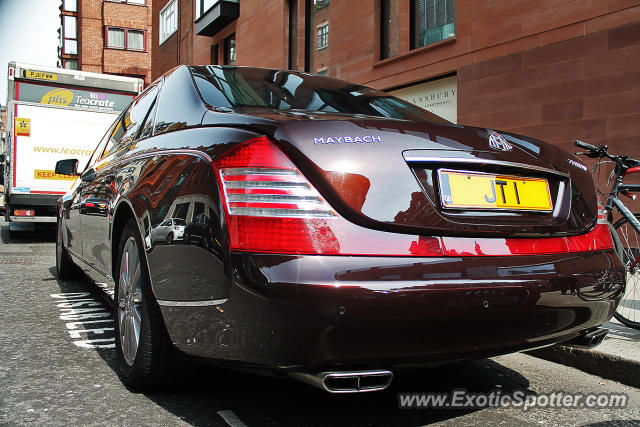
{"type": "Point", "coordinates": [231, 419]}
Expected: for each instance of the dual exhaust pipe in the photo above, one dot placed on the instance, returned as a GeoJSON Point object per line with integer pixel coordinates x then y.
{"type": "Point", "coordinates": [347, 381]}
{"type": "Point", "coordinates": [588, 340]}
{"type": "Point", "coordinates": [379, 379]}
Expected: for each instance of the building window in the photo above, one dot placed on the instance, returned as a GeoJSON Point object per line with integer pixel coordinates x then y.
{"type": "Point", "coordinates": [323, 36]}
{"type": "Point", "coordinates": [123, 38]}
{"type": "Point", "coordinates": [319, 4]}
{"type": "Point", "coordinates": [230, 50]}
{"type": "Point", "coordinates": [138, 2]}
{"type": "Point", "coordinates": [389, 28]}
{"type": "Point", "coordinates": [433, 20]}
{"type": "Point", "coordinates": [70, 6]}
{"type": "Point", "coordinates": [168, 20]}
{"type": "Point", "coordinates": [70, 64]}
{"type": "Point", "coordinates": [135, 40]}
{"type": "Point", "coordinates": [70, 35]}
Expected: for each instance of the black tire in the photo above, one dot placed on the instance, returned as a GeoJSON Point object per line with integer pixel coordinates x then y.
{"type": "Point", "coordinates": [628, 311]}
{"type": "Point", "coordinates": [170, 239]}
{"type": "Point", "coordinates": [15, 234]}
{"type": "Point", "coordinates": [66, 269]}
{"type": "Point", "coordinates": [148, 366]}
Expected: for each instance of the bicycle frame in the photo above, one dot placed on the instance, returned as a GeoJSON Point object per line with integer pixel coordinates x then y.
{"type": "Point", "coordinates": [614, 201]}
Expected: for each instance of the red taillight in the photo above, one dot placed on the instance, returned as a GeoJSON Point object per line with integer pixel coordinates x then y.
{"type": "Point", "coordinates": [90, 205]}
{"type": "Point", "coordinates": [271, 207]}
{"type": "Point", "coordinates": [24, 212]}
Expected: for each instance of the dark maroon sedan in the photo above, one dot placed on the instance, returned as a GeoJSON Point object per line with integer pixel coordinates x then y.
{"type": "Point", "coordinates": [342, 233]}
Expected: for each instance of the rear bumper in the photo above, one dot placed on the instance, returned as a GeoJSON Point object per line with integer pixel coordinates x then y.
{"type": "Point", "coordinates": [313, 312]}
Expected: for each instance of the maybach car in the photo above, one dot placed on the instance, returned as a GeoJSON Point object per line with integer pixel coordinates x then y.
{"type": "Point", "coordinates": [331, 232]}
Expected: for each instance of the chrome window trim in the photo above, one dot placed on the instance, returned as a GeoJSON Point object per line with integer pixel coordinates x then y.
{"type": "Point", "coordinates": [431, 159]}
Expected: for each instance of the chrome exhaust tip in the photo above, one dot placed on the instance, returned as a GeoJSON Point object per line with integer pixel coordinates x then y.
{"type": "Point", "coordinates": [347, 381]}
{"type": "Point", "coordinates": [589, 340]}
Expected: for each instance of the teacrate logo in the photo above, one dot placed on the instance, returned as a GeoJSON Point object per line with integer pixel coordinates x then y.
{"type": "Point", "coordinates": [61, 97]}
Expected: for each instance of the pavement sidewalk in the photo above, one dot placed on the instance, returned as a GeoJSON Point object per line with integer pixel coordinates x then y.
{"type": "Point", "coordinates": [617, 358]}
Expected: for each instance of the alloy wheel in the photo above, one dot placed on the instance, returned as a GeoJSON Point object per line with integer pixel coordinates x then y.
{"type": "Point", "coordinates": [130, 301]}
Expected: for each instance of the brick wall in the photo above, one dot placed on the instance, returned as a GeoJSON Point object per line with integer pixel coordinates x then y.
{"type": "Point", "coordinates": [94, 16]}
{"type": "Point", "coordinates": [179, 47]}
{"type": "Point", "coordinates": [585, 88]}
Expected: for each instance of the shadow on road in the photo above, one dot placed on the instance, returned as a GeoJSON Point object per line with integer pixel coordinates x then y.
{"type": "Point", "coordinates": [205, 395]}
{"type": "Point", "coordinates": [39, 235]}
{"type": "Point", "coordinates": [205, 392]}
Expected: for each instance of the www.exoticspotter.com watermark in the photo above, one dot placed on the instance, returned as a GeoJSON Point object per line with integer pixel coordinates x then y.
{"type": "Point", "coordinates": [525, 400]}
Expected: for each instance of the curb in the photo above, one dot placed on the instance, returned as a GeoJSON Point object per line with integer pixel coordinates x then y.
{"type": "Point", "coordinates": [595, 362]}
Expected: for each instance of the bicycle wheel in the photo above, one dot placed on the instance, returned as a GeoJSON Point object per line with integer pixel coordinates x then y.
{"type": "Point", "coordinates": [628, 311]}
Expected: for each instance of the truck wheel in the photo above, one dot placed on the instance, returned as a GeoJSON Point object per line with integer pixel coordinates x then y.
{"type": "Point", "coordinates": [15, 234]}
{"type": "Point", "coordinates": [65, 267]}
{"type": "Point", "coordinates": [143, 348]}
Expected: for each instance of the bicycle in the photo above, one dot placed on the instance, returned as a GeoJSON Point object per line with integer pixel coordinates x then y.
{"type": "Point", "coordinates": [627, 228]}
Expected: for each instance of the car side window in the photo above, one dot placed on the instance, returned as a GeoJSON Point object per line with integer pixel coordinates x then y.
{"type": "Point", "coordinates": [147, 127]}
{"type": "Point", "coordinates": [138, 113]}
{"type": "Point", "coordinates": [115, 135]}
{"type": "Point", "coordinates": [105, 142]}
{"type": "Point", "coordinates": [129, 124]}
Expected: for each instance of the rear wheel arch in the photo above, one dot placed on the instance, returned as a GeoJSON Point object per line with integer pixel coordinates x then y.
{"type": "Point", "coordinates": [123, 213]}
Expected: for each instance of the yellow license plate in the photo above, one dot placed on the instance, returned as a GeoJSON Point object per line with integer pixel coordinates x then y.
{"type": "Point", "coordinates": [475, 190]}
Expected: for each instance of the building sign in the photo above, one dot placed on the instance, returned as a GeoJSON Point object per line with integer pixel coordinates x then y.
{"type": "Point", "coordinates": [71, 97]}
{"type": "Point", "coordinates": [40, 75]}
{"type": "Point", "coordinates": [438, 96]}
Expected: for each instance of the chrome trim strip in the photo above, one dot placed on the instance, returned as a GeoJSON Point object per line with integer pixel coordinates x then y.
{"type": "Point", "coordinates": [207, 303]}
{"type": "Point", "coordinates": [178, 151]}
{"type": "Point", "coordinates": [273, 198]}
{"type": "Point", "coordinates": [431, 159]}
{"type": "Point", "coordinates": [268, 185]}
{"type": "Point", "coordinates": [258, 171]}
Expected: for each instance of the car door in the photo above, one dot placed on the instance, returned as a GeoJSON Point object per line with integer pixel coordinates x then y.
{"type": "Point", "coordinates": [159, 234]}
{"type": "Point", "coordinates": [73, 204]}
{"type": "Point", "coordinates": [110, 170]}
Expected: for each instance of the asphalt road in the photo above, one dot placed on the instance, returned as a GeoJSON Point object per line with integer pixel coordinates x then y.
{"type": "Point", "coordinates": [53, 371]}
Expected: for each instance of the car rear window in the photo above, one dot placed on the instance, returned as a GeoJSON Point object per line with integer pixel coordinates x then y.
{"type": "Point", "coordinates": [240, 87]}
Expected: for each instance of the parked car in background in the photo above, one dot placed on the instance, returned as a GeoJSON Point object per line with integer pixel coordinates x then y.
{"type": "Point", "coordinates": [351, 233]}
{"type": "Point", "coordinates": [199, 231]}
{"type": "Point", "coordinates": [168, 231]}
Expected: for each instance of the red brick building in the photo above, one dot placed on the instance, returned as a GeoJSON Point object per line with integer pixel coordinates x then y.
{"type": "Point", "coordinates": [552, 69]}
{"type": "Point", "coordinates": [106, 36]}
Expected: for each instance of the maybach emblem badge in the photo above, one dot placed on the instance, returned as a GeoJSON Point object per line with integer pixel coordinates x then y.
{"type": "Point", "coordinates": [498, 142]}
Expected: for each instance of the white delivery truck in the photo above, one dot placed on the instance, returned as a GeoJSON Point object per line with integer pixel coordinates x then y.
{"type": "Point", "coordinates": [53, 114]}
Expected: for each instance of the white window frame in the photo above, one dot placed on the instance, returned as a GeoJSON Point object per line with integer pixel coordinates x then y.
{"type": "Point", "coordinates": [164, 32]}
{"type": "Point", "coordinates": [319, 37]}
{"type": "Point", "coordinates": [202, 11]}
